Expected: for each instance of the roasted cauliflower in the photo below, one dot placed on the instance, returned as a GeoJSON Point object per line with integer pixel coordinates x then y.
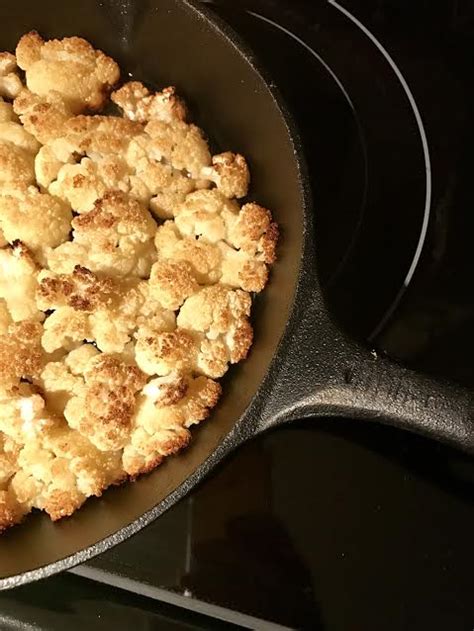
{"type": "Point", "coordinates": [126, 272]}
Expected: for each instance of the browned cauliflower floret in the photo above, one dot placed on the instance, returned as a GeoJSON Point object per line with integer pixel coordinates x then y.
{"type": "Point", "coordinates": [82, 290]}
{"type": "Point", "coordinates": [246, 237]}
{"type": "Point", "coordinates": [10, 82]}
{"type": "Point", "coordinates": [166, 408]}
{"type": "Point", "coordinates": [230, 174]}
{"type": "Point", "coordinates": [182, 145]}
{"type": "Point", "coordinates": [139, 104]}
{"type": "Point", "coordinates": [58, 469]}
{"type": "Point", "coordinates": [109, 310]}
{"type": "Point", "coordinates": [104, 409]}
{"type": "Point", "coordinates": [38, 220]}
{"type": "Point", "coordinates": [5, 317]}
{"type": "Point", "coordinates": [71, 66]}
{"type": "Point", "coordinates": [115, 238]}
{"type": "Point", "coordinates": [18, 282]}
{"type": "Point", "coordinates": [21, 355]}
{"type": "Point", "coordinates": [220, 316]}
{"type": "Point", "coordinates": [159, 352]}
{"type": "Point", "coordinates": [84, 183]}
{"type": "Point", "coordinates": [42, 116]}
{"type": "Point", "coordinates": [171, 282]}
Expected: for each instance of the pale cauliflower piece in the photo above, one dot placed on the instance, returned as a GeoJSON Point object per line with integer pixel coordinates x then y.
{"type": "Point", "coordinates": [104, 409]}
{"type": "Point", "coordinates": [182, 145]}
{"type": "Point", "coordinates": [204, 214]}
{"type": "Point", "coordinates": [71, 66]}
{"type": "Point", "coordinates": [18, 149]}
{"type": "Point", "coordinates": [205, 258]}
{"type": "Point", "coordinates": [139, 104]}
{"type": "Point", "coordinates": [9, 450]}
{"type": "Point", "coordinates": [18, 282]}
{"type": "Point", "coordinates": [165, 186]}
{"type": "Point", "coordinates": [166, 408]}
{"type": "Point", "coordinates": [230, 174]}
{"type": "Point", "coordinates": [115, 238]}
{"type": "Point", "coordinates": [38, 220]}
{"type": "Point", "coordinates": [65, 328]}
{"type": "Point", "coordinates": [10, 82]}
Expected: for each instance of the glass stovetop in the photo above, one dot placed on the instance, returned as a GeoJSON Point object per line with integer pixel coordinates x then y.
{"type": "Point", "coordinates": [330, 525]}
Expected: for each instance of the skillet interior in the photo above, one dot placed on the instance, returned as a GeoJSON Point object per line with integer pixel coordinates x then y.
{"type": "Point", "coordinates": [167, 42]}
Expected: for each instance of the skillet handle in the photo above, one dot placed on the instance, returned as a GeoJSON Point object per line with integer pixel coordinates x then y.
{"type": "Point", "coordinates": [326, 374]}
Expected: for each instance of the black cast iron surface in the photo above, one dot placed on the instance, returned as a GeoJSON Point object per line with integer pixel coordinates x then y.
{"type": "Point", "coordinates": [322, 374]}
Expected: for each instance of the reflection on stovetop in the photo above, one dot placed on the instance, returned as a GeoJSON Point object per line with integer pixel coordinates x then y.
{"type": "Point", "coordinates": [333, 525]}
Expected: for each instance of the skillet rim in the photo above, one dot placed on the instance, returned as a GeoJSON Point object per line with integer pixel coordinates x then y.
{"type": "Point", "coordinates": [242, 429]}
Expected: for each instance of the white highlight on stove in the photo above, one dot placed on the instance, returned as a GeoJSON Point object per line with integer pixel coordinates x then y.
{"type": "Point", "coordinates": [426, 153]}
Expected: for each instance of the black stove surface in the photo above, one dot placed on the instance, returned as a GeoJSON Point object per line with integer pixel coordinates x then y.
{"type": "Point", "coordinates": [331, 526]}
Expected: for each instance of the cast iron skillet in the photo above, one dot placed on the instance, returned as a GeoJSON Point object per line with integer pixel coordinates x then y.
{"type": "Point", "coordinates": [301, 365]}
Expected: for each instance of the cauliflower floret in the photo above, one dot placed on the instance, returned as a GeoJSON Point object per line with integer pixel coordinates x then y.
{"type": "Point", "coordinates": [230, 174]}
{"type": "Point", "coordinates": [17, 153]}
{"type": "Point", "coordinates": [211, 263]}
{"type": "Point", "coordinates": [22, 413]}
{"type": "Point", "coordinates": [180, 144]}
{"type": "Point", "coordinates": [36, 219]}
{"type": "Point", "coordinates": [42, 116]}
{"type": "Point", "coordinates": [65, 328]}
{"type": "Point", "coordinates": [220, 316]}
{"type": "Point", "coordinates": [104, 409]}
{"type": "Point", "coordinates": [84, 183]}
{"type": "Point", "coordinates": [47, 166]}
{"type": "Point", "coordinates": [139, 104]}
{"type": "Point", "coordinates": [10, 82]}
{"type": "Point", "coordinates": [246, 237]}
{"type": "Point", "coordinates": [204, 214]}
{"type": "Point", "coordinates": [159, 352]}
{"type": "Point", "coordinates": [11, 511]}
{"type": "Point", "coordinates": [61, 380]}
{"type": "Point", "coordinates": [253, 232]}
{"type": "Point", "coordinates": [166, 408]}
{"type": "Point", "coordinates": [21, 355]}
{"type": "Point", "coordinates": [7, 115]}
{"type": "Point", "coordinates": [171, 282]}
{"type": "Point", "coordinates": [110, 309]}
{"type": "Point", "coordinates": [9, 450]}
{"type": "Point", "coordinates": [59, 469]}
{"type": "Point", "coordinates": [82, 290]}
{"type": "Point", "coordinates": [18, 282]}
{"type": "Point", "coordinates": [115, 238]}
{"type": "Point", "coordinates": [205, 258]}
{"type": "Point", "coordinates": [71, 66]}
{"type": "Point", "coordinates": [5, 317]}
